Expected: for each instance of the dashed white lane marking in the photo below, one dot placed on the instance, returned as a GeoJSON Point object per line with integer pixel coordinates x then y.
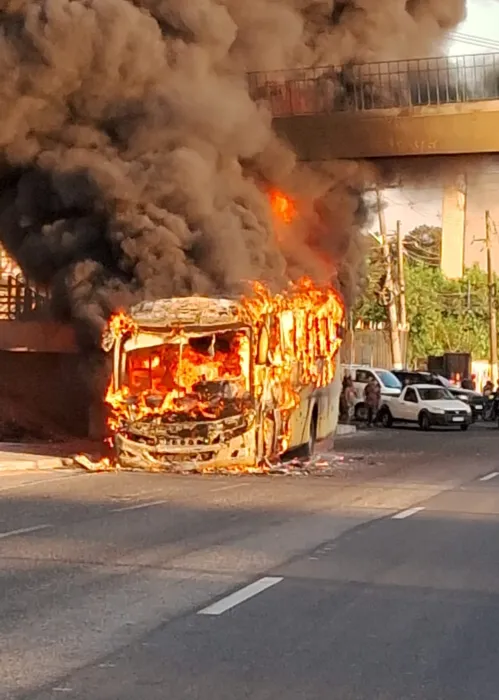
{"type": "Point", "coordinates": [490, 476]}
{"type": "Point", "coordinates": [139, 506]}
{"type": "Point", "coordinates": [40, 482]}
{"type": "Point", "coordinates": [241, 596]}
{"type": "Point", "coordinates": [230, 487]}
{"type": "Point", "coordinates": [23, 531]}
{"type": "Point", "coordinates": [407, 513]}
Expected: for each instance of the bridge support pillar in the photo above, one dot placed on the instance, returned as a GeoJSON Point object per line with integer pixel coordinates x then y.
{"type": "Point", "coordinates": [453, 228]}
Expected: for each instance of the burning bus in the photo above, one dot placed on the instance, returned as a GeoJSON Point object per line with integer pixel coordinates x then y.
{"type": "Point", "coordinates": [210, 383]}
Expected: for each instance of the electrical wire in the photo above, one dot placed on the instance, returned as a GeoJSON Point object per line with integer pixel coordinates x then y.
{"type": "Point", "coordinates": [492, 48]}
{"type": "Point", "coordinates": [418, 257]}
{"type": "Point", "coordinates": [475, 40]}
{"type": "Point", "coordinates": [421, 251]}
{"type": "Point", "coordinates": [413, 206]}
{"type": "Point", "coordinates": [479, 42]}
{"type": "Point", "coordinates": [413, 246]}
{"type": "Point", "coordinates": [433, 262]}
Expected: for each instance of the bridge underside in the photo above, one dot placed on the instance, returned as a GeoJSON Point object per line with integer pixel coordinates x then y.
{"type": "Point", "coordinates": [448, 129]}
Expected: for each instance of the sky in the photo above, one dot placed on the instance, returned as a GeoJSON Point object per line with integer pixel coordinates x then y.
{"type": "Point", "coordinates": [415, 207]}
{"type": "Point", "coordinates": [482, 21]}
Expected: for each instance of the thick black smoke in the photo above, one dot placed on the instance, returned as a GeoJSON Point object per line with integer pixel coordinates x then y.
{"type": "Point", "coordinates": [134, 164]}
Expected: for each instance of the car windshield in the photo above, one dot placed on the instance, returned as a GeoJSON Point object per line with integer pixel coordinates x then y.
{"type": "Point", "coordinates": [389, 380]}
{"type": "Point", "coordinates": [435, 394]}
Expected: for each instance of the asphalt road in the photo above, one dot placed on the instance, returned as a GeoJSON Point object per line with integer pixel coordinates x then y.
{"type": "Point", "coordinates": [380, 584]}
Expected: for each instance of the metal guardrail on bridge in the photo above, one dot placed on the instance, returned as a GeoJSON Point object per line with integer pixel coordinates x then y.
{"type": "Point", "coordinates": [19, 300]}
{"type": "Point", "coordinates": [392, 84]}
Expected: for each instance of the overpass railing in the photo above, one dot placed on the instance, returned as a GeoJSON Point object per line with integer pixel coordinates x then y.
{"type": "Point", "coordinates": [383, 85]}
{"type": "Point", "coordinates": [20, 300]}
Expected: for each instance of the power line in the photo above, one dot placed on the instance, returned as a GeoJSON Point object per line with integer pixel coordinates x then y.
{"type": "Point", "coordinates": [414, 247]}
{"type": "Point", "coordinates": [421, 259]}
{"type": "Point", "coordinates": [486, 43]}
{"type": "Point", "coordinates": [418, 243]}
{"type": "Point", "coordinates": [422, 255]}
{"type": "Point", "coordinates": [481, 40]}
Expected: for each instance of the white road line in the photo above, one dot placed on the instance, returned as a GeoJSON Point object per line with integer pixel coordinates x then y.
{"type": "Point", "coordinates": [230, 487]}
{"type": "Point", "coordinates": [23, 531]}
{"type": "Point", "coordinates": [241, 596]}
{"type": "Point", "coordinates": [490, 476]}
{"type": "Point", "coordinates": [36, 482]}
{"type": "Point", "coordinates": [407, 513]}
{"type": "Point", "coordinates": [139, 506]}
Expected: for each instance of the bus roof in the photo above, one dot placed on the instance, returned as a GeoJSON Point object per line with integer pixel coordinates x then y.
{"type": "Point", "coordinates": [187, 311]}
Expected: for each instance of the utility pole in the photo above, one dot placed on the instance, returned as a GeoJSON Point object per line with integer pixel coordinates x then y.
{"type": "Point", "coordinates": [401, 273]}
{"type": "Point", "coordinates": [392, 306]}
{"type": "Point", "coordinates": [492, 300]}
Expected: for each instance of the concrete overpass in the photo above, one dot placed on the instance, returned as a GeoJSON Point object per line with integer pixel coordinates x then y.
{"type": "Point", "coordinates": [433, 106]}
{"type": "Point", "coordinates": [399, 113]}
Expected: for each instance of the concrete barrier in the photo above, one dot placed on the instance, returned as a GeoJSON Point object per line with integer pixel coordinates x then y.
{"type": "Point", "coordinates": [37, 336]}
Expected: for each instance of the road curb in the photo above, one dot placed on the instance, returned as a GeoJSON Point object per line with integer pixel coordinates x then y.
{"type": "Point", "coordinates": [342, 430]}
{"type": "Point", "coordinates": [23, 464]}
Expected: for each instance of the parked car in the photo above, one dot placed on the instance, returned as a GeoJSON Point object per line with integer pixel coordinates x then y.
{"type": "Point", "coordinates": [491, 410]}
{"type": "Point", "coordinates": [425, 405]}
{"type": "Point", "coordinates": [360, 374]}
{"type": "Point", "coordinates": [474, 399]}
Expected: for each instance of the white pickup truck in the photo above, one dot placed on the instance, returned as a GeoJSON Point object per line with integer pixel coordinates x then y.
{"type": "Point", "coordinates": [425, 405]}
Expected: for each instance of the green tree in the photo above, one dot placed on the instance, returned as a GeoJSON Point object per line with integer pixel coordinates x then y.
{"type": "Point", "coordinates": [446, 315]}
{"type": "Point", "coordinates": [443, 315]}
{"type": "Point", "coordinates": [423, 244]}
{"type": "Point", "coordinates": [369, 308]}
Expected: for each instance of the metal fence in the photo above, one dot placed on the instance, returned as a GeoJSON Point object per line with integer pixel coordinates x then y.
{"type": "Point", "coordinates": [367, 346]}
{"type": "Point", "coordinates": [412, 83]}
{"type": "Point", "coordinates": [19, 300]}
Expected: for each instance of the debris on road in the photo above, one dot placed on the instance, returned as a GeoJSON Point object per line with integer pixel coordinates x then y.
{"type": "Point", "coordinates": [91, 465]}
{"type": "Point", "coordinates": [329, 464]}
{"type": "Point", "coordinates": [323, 464]}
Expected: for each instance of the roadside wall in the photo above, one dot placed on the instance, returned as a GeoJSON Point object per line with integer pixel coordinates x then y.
{"type": "Point", "coordinates": [366, 346]}
{"type": "Point", "coordinates": [51, 385]}
{"type": "Point", "coordinates": [37, 336]}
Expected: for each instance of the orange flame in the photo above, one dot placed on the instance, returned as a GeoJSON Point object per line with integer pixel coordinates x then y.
{"type": "Point", "coordinates": [283, 206]}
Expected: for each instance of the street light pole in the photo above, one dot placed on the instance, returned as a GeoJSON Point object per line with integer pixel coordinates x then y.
{"type": "Point", "coordinates": [401, 275]}
{"type": "Point", "coordinates": [392, 306]}
{"type": "Point", "coordinates": [492, 300]}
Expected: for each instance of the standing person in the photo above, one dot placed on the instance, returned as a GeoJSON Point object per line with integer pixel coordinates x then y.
{"type": "Point", "coordinates": [467, 383]}
{"type": "Point", "coordinates": [372, 395]}
{"type": "Point", "coordinates": [343, 400]}
{"type": "Point", "coordinates": [489, 394]}
{"type": "Point", "coordinates": [349, 398]}
{"type": "Point", "coordinates": [488, 389]}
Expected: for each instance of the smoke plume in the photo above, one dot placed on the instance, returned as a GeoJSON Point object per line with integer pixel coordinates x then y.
{"type": "Point", "coordinates": [134, 163]}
